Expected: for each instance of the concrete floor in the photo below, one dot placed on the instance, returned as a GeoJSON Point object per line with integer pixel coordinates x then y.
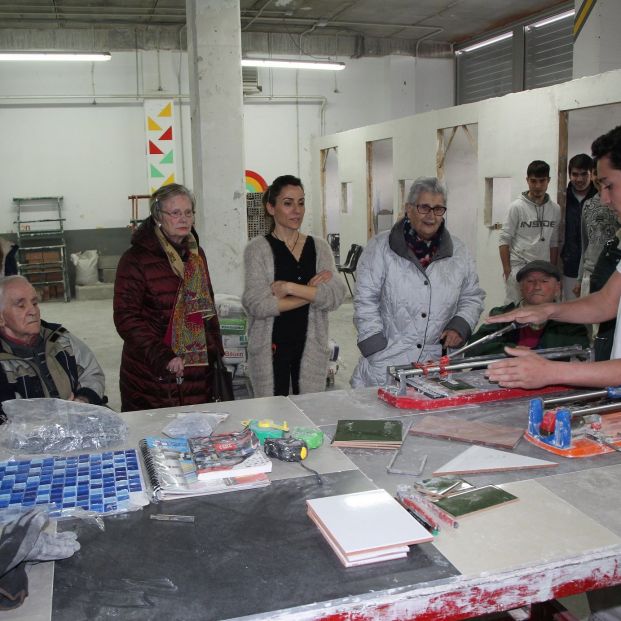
{"type": "Point", "coordinates": [92, 322]}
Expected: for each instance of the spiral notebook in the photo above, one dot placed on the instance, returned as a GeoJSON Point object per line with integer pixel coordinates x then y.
{"type": "Point", "coordinates": [172, 473]}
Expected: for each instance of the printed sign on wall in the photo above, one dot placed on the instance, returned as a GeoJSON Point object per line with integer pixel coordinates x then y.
{"type": "Point", "coordinates": [161, 152]}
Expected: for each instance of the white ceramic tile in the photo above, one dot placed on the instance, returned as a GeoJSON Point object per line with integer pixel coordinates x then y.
{"type": "Point", "coordinates": [367, 521]}
{"type": "Point", "coordinates": [538, 528]}
{"type": "Point", "coordinates": [483, 459]}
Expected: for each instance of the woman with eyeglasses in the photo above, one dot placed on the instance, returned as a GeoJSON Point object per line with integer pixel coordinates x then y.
{"type": "Point", "coordinates": [164, 309]}
{"type": "Point", "coordinates": [290, 286]}
{"type": "Point", "coordinates": [417, 289]}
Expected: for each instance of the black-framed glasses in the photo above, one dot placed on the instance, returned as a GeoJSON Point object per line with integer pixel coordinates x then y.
{"type": "Point", "coordinates": [438, 210]}
{"type": "Point", "coordinates": [177, 213]}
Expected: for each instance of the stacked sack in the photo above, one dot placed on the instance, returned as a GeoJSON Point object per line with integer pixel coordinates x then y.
{"type": "Point", "coordinates": [234, 329]}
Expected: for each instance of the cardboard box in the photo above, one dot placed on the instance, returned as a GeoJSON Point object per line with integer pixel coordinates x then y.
{"type": "Point", "coordinates": [51, 256]}
{"type": "Point", "coordinates": [234, 340]}
{"type": "Point", "coordinates": [56, 291]}
{"type": "Point", "coordinates": [52, 275]}
{"type": "Point", "coordinates": [234, 355]}
{"type": "Point", "coordinates": [32, 256]}
{"type": "Point", "coordinates": [233, 325]}
{"type": "Point", "coordinates": [43, 292]}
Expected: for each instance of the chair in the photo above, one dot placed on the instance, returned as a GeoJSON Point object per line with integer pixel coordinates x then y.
{"type": "Point", "coordinates": [335, 245]}
{"type": "Point", "coordinates": [350, 265]}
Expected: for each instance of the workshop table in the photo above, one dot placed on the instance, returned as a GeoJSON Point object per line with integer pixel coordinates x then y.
{"type": "Point", "coordinates": [254, 554]}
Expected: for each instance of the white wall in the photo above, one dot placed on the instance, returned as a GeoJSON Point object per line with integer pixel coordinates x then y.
{"type": "Point", "coordinates": [598, 46]}
{"type": "Point", "coordinates": [58, 142]}
{"type": "Point", "coordinates": [512, 131]}
{"type": "Point", "coordinates": [460, 176]}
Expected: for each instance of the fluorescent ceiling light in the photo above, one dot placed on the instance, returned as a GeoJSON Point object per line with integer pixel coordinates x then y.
{"type": "Point", "coordinates": [55, 56]}
{"type": "Point", "coordinates": [478, 46]}
{"type": "Point", "coordinates": [554, 18]}
{"type": "Point", "coordinates": [292, 64]}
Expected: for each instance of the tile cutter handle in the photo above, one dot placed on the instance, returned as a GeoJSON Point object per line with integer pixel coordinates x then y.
{"type": "Point", "coordinates": [485, 339]}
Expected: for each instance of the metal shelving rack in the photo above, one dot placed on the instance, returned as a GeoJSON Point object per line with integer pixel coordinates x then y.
{"type": "Point", "coordinates": [42, 254]}
{"type": "Point", "coordinates": [135, 201]}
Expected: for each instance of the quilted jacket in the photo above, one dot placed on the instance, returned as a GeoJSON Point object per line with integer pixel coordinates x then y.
{"type": "Point", "coordinates": [401, 308]}
{"type": "Point", "coordinates": [144, 295]}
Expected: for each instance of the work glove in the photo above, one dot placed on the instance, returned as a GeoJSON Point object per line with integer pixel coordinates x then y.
{"type": "Point", "coordinates": [22, 541]}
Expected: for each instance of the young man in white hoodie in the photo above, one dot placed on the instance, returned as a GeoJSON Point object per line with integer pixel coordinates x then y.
{"type": "Point", "coordinates": [530, 232]}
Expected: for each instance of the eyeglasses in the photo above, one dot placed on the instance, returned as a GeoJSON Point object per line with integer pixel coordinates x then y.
{"type": "Point", "coordinates": [438, 210]}
{"type": "Point", "coordinates": [176, 215]}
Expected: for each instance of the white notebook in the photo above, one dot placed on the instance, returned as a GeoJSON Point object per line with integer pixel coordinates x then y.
{"type": "Point", "coordinates": [367, 521]}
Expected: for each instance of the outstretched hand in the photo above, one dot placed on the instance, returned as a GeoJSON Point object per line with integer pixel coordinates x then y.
{"type": "Point", "coordinates": [525, 369]}
{"type": "Point", "coordinates": [524, 315]}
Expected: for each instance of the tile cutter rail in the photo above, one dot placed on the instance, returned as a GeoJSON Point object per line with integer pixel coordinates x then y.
{"type": "Point", "coordinates": [433, 385]}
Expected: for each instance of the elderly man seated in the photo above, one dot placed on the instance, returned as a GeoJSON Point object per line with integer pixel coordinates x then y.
{"type": "Point", "coordinates": [40, 359]}
{"type": "Point", "coordinates": [539, 283]}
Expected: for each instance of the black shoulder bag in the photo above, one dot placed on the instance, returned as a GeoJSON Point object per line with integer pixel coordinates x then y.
{"type": "Point", "coordinates": [221, 379]}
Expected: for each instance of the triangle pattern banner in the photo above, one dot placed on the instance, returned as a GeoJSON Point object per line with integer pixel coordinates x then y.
{"type": "Point", "coordinates": [167, 135]}
{"type": "Point", "coordinates": [154, 149]}
{"type": "Point", "coordinates": [155, 173]}
{"type": "Point", "coordinates": [166, 110]}
{"type": "Point", "coordinates": [160, 130]}
{"type": "Point", "coordinates": [152, 125]}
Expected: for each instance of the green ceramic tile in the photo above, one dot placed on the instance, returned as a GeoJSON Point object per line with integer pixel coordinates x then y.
{"type": "Point", "coordinates": [474, 500]}
{"type": "Point", "coordinates": [369, 430]}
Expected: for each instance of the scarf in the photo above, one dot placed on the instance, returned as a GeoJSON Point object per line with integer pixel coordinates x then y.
{"type": "Point", "coordinates": [424, 250]}
{"type": "Point", "coordinates": [186, 330]}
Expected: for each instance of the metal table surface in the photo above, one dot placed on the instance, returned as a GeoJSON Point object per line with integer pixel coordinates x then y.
{"type": "Point", "coordinates": [255, 555]}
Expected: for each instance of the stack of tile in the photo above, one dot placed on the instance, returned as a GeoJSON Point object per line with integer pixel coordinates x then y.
{"type": "Point", "coordinates": [366, 527]}
{"type": "Point", "coordinates": [234, 329]}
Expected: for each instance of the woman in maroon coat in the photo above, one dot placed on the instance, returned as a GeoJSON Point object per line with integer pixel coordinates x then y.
{"type": "Point", "coordinates": [164, 310]}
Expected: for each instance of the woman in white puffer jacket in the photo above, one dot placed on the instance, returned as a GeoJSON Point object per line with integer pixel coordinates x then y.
{"type": "Point", "coordinates": [417, 289]}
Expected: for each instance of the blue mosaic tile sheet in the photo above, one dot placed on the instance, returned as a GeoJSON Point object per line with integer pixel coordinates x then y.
{"type": "Point", "coordinates": [99, 482]}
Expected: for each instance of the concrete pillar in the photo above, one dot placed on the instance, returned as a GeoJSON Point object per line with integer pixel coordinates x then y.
{"type": "Point", "coordinates": [597, 47]}
{"type": "Point", "coordinates": [214, 59]}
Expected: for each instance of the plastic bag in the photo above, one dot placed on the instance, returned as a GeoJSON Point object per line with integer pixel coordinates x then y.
{"type": "Point", "coordinates": [86, 267]}
{"type": "Point", "coordinates": [54, 425]}
{"type": "Point", "coordinates": [193, 424]}
{"type": "Point", "coordinates": [228, 305]}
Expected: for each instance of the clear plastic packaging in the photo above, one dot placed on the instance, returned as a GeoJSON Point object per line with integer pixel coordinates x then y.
{"type": "Point", "coordinates": [36, 426]}
{"type": "Point", "coordinates": [193, 424]}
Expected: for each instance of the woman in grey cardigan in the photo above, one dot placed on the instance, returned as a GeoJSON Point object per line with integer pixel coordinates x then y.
{"type": "Point", "coordinates": [290, 286]}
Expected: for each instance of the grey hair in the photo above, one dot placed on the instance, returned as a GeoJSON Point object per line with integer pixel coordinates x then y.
{"type": "Point", "coordinates": [161, 195]}
{"type": "Point", "coordinates": [7, 280]}
{"type": "Point", "coordinates": [425, 184]}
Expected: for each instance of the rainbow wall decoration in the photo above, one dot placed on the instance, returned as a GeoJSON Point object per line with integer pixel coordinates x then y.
{"type": "Point", "coordinates": [255, 182]}
{"type": "Point", "coordinates": [160, 135]}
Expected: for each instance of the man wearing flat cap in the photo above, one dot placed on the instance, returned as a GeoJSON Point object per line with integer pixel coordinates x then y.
{"type": "Point", "coordinates": [539, 282]}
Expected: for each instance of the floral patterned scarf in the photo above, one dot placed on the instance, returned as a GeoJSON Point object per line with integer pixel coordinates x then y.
{"type": "Point", "coordinates": [186, 330]}
{"type": "Point", "coordinates": [423, 250]}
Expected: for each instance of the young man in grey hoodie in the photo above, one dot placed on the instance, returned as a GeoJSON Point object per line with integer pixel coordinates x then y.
{"type": "Point", "coordinates": [530, 232]}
